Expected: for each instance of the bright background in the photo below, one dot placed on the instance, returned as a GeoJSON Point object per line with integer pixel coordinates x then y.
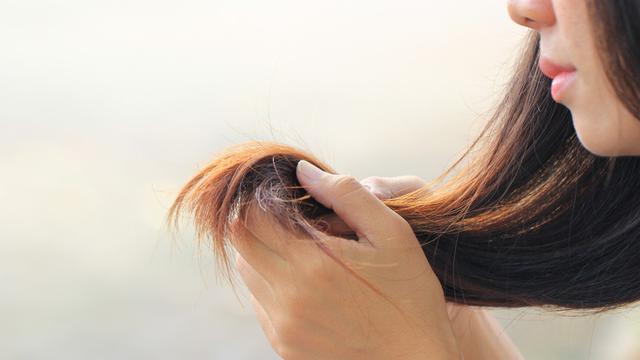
{"type": "Point", "coordinates": [108, 107]}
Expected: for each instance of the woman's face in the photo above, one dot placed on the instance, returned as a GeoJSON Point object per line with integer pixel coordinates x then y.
{"type": "Point", "coordinates": [568, 54]}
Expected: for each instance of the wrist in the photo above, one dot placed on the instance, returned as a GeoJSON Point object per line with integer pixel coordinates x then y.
{"type": "Point", "coordinates": [427, 350]}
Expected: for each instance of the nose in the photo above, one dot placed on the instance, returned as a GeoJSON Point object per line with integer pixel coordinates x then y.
{"type": "Point", "coordinates": [534, 14]}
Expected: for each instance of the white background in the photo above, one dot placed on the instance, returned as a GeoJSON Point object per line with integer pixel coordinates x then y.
{"type": "Point", "coordinates": [108, 107]}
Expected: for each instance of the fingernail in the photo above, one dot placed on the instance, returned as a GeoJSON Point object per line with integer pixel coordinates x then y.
{"type": "Point", "coordinates": [310, 172]}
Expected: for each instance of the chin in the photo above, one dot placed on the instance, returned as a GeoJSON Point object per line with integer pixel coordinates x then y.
{"type": "Point", "coordinates": [606, 128]}
{"type": "Point", "coordinates": [605, 144]}
{"type": "Point", "coordinates": [600, 150]}
{"type": "Point", "coordinates": [598, 140]}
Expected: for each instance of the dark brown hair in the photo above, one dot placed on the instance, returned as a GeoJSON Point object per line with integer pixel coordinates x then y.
{"type": "Point", "coordinates": [535, 219]}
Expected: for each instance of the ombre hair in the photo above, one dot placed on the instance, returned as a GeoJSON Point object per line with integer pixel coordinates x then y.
{"type": "Point", "coordinates": [534, 219]}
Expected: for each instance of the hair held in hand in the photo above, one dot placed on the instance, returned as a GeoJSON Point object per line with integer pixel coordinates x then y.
{"type": "Point", "coordinates": [533, 219]}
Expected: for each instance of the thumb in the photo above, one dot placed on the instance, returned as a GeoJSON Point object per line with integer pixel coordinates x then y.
{"type": "Point", "coordinates": [361, 210]}
{"type": "Point", "coordinates": [383, 188]}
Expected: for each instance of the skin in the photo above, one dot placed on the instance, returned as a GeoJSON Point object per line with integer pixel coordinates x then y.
{"type": "Point", "coordinates": [603, 124]}
{"type": "Point", "coordinates": [311, 308]}
{"type": "Point", "coordinates": [478, 333]}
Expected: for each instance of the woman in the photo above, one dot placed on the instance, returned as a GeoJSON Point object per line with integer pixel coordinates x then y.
{"type": "Point", "coordinates": [546, 215]}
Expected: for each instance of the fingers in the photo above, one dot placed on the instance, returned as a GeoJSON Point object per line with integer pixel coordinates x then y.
{"type": "Point", "coordinates": [263, 253]}
{"type": "Point", "coordinates": [382, 188]}
{"type": "Point", "coordinates": [353, 203]}
{"type": "Point", "coordinates": [265, 322]}
{"type": "Point", "coordinates": [260, 291]}
{"type": "Point", "coordinates": [390, 187]}
{"type": "Point", "coordinates": [256, 283]}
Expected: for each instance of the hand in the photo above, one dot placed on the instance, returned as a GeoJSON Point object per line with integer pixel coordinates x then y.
{"type": "Point", "coordinates": [311, 307]}
{"type": "Point", "coordinates": [478, 333]}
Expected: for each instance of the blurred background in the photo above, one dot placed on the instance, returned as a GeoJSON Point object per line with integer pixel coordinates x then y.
{"type": "Point", "coordinates": [108, 107]}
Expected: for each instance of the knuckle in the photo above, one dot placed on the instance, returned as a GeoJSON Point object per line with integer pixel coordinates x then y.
{"type": "Point", "coordinates": [382, 187]}
{"type": "Point", "coordinates": [402, 224]}
{"type": "Point", "coordinates": [368, 179]}
{"type": "Point", "coordinates": [347, 182]}
{"type": "Point", "coordinates": [374, 181]}
{"type": "Point", "coordinates": [378, 182]}
{"type": "Point", "coordinates": [346, 185]}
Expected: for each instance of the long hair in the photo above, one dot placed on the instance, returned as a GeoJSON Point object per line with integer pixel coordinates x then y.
{"type": "Point", "coordinates": [533, 220]}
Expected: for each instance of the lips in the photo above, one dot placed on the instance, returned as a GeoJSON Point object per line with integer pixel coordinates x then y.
{"type": "Point", "coordinates": [551, 69]}
{"type": "Point", "coordinates": [563, 76]}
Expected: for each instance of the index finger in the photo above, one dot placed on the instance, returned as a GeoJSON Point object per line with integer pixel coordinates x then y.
{"type": "Point", "coordinates": [355, 205]}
